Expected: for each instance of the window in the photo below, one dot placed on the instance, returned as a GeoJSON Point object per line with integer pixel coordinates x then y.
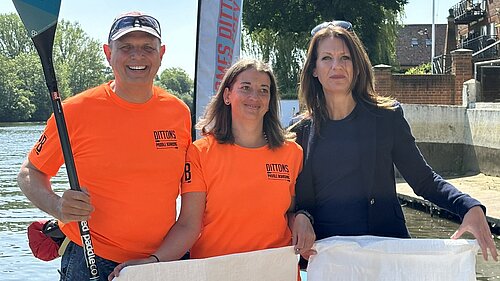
{"type": "Point", "coordinates": [414, 42]}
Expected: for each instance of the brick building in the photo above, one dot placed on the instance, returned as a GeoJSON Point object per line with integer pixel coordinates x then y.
{"type": "Point", "coordinates": [414, 43]}
{"type": "Point", "coordinates": [467, 47]}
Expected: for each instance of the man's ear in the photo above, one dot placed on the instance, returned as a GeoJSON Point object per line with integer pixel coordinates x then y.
{"type": "Point", "coordinates": [163, 48]}
{"type": "Point", "coordinates": [107, 52]}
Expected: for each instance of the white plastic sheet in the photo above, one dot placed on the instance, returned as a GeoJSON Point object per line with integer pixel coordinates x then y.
{"type": "Point", "coordinates": [381, 258]}
{"type": "Point", "coordinates": [278, 264]}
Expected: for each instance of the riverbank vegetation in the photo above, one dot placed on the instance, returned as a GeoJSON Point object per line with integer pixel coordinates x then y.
{"type": "Point", "coordinates": [79, 64]}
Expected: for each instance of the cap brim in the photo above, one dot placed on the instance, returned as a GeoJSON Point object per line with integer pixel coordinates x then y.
{"type": "Point", "coordinates": [124, 31]}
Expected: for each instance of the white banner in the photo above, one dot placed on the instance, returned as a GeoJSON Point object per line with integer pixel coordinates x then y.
{"type": "Point", "coordinates": [218, 46]}
{"type": "Point", "coordinates": [278, 264]}
{"type": "Point", "coordinates": [371, 258]}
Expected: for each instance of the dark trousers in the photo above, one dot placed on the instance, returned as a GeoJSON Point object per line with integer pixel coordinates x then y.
{"type": "Point", "coordinates": [74, 267]}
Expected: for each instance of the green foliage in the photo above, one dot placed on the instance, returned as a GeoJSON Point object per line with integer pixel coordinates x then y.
{"type": "Point", "coordinates": [278, 31]}
{"type": "Point", "coordinates": [13, 38]}
{"type": "Point", "coordinates": [284, 52]}
{"type": "Point", "coordinates": [15, 102]}
{"type": "Point", "coordinates": [177, 81]}
{"type": "Point", "coordinates": [424, 68]}
{"type": "Point", "coordinates": [78, 61]}
{"type": "Point", "coordinates": [78, 58]}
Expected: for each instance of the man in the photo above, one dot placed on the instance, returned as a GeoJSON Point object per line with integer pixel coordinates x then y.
{"type": "Point", "coordinates": [129, 140]}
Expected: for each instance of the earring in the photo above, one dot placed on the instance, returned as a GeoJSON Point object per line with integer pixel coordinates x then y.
{"type": "Point", "coordinates": [227, 102]}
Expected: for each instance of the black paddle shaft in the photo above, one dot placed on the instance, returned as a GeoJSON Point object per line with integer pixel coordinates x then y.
{"type": "Point", "coordinates": [44, 46]}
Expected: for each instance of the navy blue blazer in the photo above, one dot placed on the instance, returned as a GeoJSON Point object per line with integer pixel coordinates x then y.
{"type": "Point", "coordinates": [387, 141]}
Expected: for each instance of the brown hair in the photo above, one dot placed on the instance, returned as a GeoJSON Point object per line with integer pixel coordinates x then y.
{"type": "Point", "coordinates": [362, 86]}
{"type": "Point", "coordinates": [217, 119]}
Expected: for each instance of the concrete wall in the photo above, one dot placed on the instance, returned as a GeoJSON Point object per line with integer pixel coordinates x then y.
{"type": "Point", "coordinates": [456, 140]}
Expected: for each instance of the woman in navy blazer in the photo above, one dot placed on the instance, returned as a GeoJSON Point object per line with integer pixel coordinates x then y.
{"type": "Point", "coordinates": [352, 138]}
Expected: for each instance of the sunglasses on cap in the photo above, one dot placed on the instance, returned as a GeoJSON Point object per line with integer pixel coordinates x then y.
{"type": "Point", "coordinates": [344, 24]}
{"type": "Point", "coordinates": [150, 25]}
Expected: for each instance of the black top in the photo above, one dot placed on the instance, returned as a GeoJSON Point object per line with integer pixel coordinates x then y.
{"type": "Point", "coordinates": [336, 166]}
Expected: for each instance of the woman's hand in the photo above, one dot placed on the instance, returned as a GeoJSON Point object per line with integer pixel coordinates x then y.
{"type": "Point", "coordinates": [118, 268]}
{"type": "Point", "coordinates": [303, 236]}
{"type": "Point", "coordinates": [475, 222]}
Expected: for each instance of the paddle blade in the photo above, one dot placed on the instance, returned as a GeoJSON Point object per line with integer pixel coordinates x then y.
{"type": "Point", "coordinates": [38, 15]}
{"type": "Point", "coordinates": [40, 19]}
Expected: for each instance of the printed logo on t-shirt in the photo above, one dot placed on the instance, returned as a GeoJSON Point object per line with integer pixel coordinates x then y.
{"type": "Point", "coordinates": [277, 171]}
{"type": "Point", "coordinates": [187, 172]}
{"type": "Point", "coordinates": [165, 139]}
{"type": "Point", "coordinates": [40, 143]}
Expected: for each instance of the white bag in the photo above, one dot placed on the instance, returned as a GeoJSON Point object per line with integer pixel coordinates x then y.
{"type": "Point", "coordinates": [278, 264]}
{"type": "Point", "coordinates": [374, 258]}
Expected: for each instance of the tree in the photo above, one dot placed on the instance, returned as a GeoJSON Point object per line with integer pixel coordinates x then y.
{"type": "Point", "coordinates": [13, 38]}
{"type": "Point", "coordinates": [177, 81]}
{"type": "Point", "coordinates": [285, 51]}
{"type": "Point", "coordinates": [280, 29]}
{"type": "Point", "coordinates": [78, 61]}
{"type": "Point", "coordinates": [15, 102]}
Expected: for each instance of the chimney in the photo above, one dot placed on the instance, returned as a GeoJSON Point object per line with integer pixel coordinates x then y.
{"type": "Point", "coordinates": [451, 34]}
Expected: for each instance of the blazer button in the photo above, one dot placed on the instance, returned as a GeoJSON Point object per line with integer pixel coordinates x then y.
{"type": "Point", "coordinates": [372, 201]}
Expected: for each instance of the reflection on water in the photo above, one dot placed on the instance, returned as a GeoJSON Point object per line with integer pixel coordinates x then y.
{"type": "Point", "coordinates": [16, 259]}
{"type": "Point", "coordinates": [422, 225]}
{"type": "Point", "coordinates": [18, 263]}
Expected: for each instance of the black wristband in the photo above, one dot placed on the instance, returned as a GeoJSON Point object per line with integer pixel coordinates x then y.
{"type": "Point", "coordinates": [307, 214]}
{"type": "Point", "coordinates": [154, 256]}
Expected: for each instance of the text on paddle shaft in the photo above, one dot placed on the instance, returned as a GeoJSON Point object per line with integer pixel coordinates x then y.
{"type": "Point", "coordinates": [89, 249]}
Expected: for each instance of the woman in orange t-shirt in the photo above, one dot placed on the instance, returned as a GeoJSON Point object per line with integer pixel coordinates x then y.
{"type": "Point", "coordinates": [239, 184]}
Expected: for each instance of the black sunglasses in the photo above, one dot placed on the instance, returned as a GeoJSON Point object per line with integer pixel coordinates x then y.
{"type": "Point", "coordinates": [344, 24]}
{"type": "Point", "coordinates": [134, 21]}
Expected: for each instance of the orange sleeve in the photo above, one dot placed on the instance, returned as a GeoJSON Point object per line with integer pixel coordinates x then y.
{"type": "Point", "coordinates": [193, 180]}
{"type": "Point", "coordinates": [47, 155]}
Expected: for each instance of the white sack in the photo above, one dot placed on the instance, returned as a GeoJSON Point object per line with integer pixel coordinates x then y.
{"type": "Point", "coordinates": [278, 264]}
{"type": "Point", "coordinates": [373, 258]}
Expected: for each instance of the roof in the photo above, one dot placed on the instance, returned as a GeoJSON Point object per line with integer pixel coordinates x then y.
{"type": "Point", "coordinates": [413, 44]}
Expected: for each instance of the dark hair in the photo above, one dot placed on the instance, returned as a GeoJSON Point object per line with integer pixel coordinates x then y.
{"type": "Point", "coordinates": [362, 86]}
{"type": "Point", "coordinates": [217, 119]}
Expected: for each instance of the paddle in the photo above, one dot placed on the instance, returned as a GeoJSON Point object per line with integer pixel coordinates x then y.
{"type": "Point", "coordinates": [40, 19]}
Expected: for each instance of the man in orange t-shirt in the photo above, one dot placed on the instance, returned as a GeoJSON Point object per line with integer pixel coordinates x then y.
{"type": "Point", "coordinates": [129, 140]}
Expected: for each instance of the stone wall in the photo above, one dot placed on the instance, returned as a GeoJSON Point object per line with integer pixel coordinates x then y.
{"type": "Point", "coordinates": [456, 140]}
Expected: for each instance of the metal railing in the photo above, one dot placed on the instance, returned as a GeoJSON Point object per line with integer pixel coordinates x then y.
{"type": "Point", "coordinates": [490, 51]}
{"type": "Point", "coordinates": [441, 64]}
{"type": "Point", "coordinates": [478, 43]}
{"type": "Point", "coordinates": [469, 10]}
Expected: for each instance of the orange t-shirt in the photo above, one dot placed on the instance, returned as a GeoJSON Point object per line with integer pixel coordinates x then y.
{"type": "Point", "coordinates": [131, 159]}
{"type": "Point", "coordinates": [248, 193]}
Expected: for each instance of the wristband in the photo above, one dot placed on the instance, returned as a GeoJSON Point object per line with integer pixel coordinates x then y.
{"type": "Point", "coordinates": [307, 214]}
{"type": "Point", "coordinates": [154, 256]}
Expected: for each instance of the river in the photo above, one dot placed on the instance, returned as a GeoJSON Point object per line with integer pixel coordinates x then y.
{"type": "Point", "coordinates": [16, 213]}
